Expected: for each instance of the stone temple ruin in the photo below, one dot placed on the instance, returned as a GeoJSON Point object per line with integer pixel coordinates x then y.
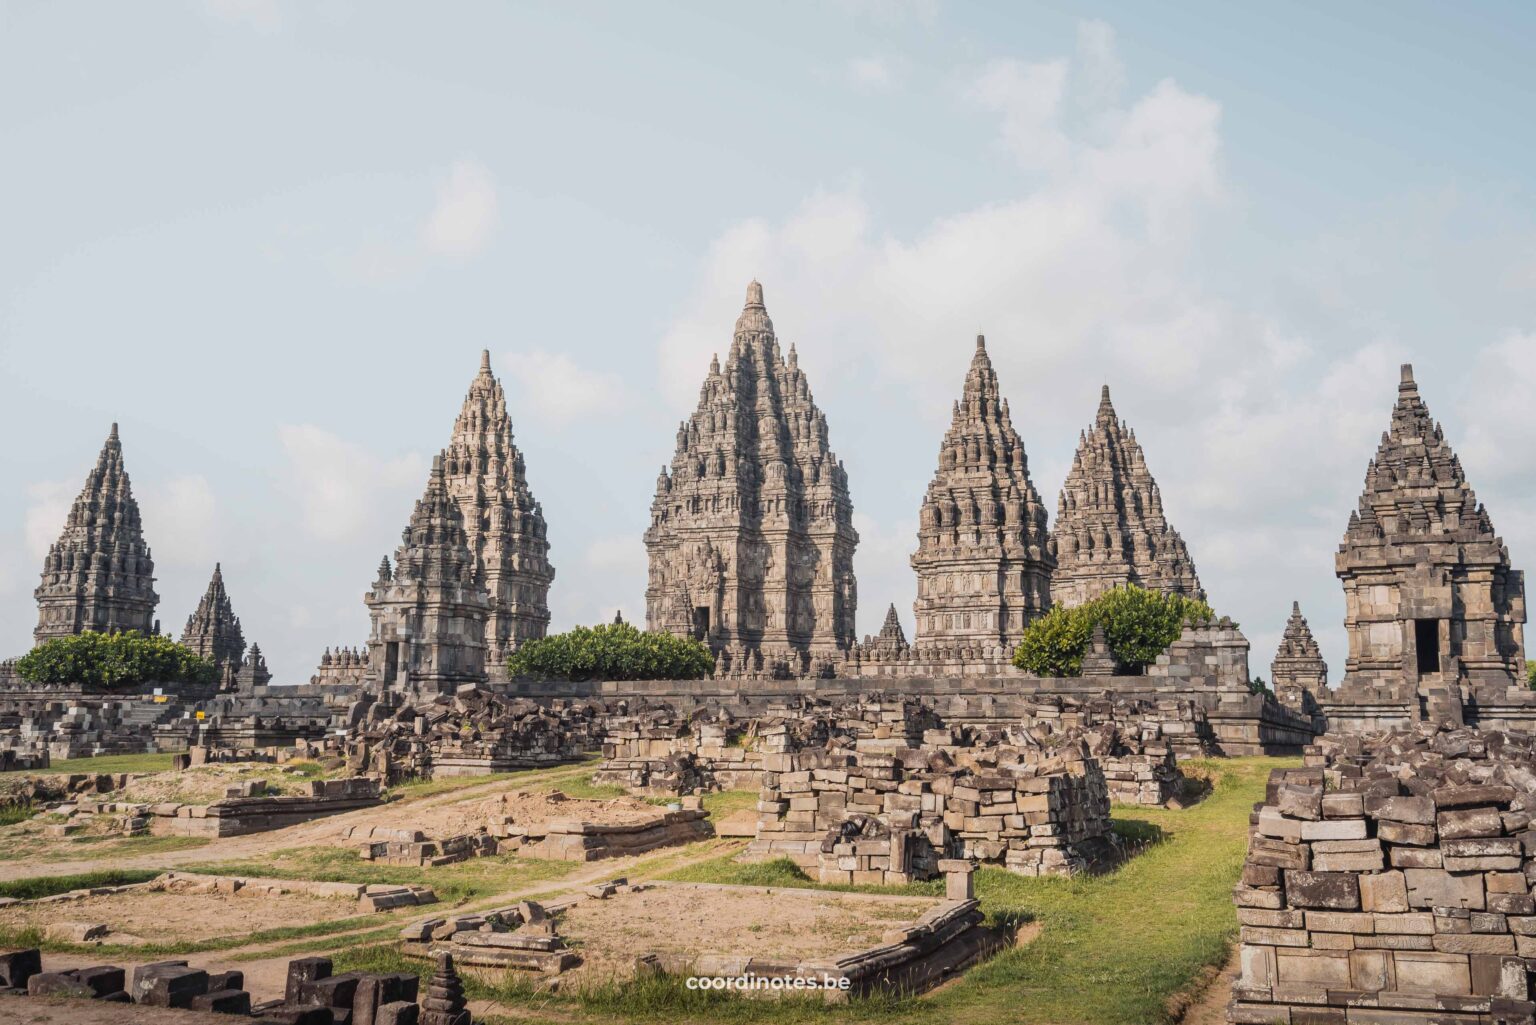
{"type": "Point", "coordinates": [751, 538]}
{"type": "Point", "coordinates": [751, 548]}
{"type": "Point", "coordinates": [1434, 612]}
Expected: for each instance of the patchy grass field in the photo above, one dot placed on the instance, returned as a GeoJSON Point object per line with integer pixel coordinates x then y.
{"type": "Point", "coordinates": [466, 880]}
{"type": "Point", "coordinates": [106, 763]}
{"type": "Point", "coordinates": [1112, 951]}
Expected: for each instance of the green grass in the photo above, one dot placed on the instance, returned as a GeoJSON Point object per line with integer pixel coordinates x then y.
{"type": "Point", "coordinates": [550, 778]}
{"type": "Point", "coordinates": [93, 847]}
{"type": "Point", "coordinates": [46, 886]}
{"type": "Point", "coordinates": [465, 880]}
{"type": "Point", "coordinates": [32, 936]}
{"type": "Point", "coordinates": [1113, 948]}
{"type": "Point", "coordinates": [10, 814]}
{"type": "Point", "coordinates": [728, 802]}
{"type": "Point", "coordinates": [106, 763]}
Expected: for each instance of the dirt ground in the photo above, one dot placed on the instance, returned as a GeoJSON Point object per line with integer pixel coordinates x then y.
{"type": "Point", "coordinates": [1209, 1006]}
{"type": "Point", "coordinates": [523, 807]}
{"type": "Point", "coordinates": [142, 915]}
{"type": "Point", "coordinates": [782, 925]}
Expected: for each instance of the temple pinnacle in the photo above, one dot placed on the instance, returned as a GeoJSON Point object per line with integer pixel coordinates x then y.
{"type": "Point", "coordinates": [485, 361]}
{"type": "Point", "coordinates": [1405, 380]}
{"type": "Point", "coordinates": [755, 293]}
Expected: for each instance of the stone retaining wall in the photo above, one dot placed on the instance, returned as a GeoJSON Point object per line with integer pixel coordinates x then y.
{"type": "Point", "coordinates": [1389, 881]}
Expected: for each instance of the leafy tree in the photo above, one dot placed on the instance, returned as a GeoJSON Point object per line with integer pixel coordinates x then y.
{"type": "Point", "coordinates": [616, 651]}
{"type": "Point", "coordinates": [1530, 674]}
{"type": "Point", "coordinates": [114, 662]}
{"type": "Point", "coordinates": [1138, 624]}
{"type": "Point", "coordinates": [1053, 645]}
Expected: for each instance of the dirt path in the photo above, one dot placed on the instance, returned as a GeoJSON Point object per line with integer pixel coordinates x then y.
{"type": "Point", "coordinates": [265, 977]}
{"type": "Point", "coordinates": [240, 848]}
{"type": "Point", "coordinates": [1209, 1006]}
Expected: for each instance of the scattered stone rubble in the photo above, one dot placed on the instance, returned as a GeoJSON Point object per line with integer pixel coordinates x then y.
{"type": "Point", "coordinates": [1389, 881]}
{"type": "Point", "coordinates": [523, 936]}
{"type": "Point", "coordinates": [313, 994]}
{"type": "Point", "coordinates": [247, 808]}
{"type": "Point", "coordinates": [471, 732]}
{"type": "Point", "coordinates": [889, 818]}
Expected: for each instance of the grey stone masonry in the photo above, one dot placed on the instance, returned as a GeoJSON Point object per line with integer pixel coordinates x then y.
{"type": "Point", "coordinates": [1298, 671]}
{"type": "Point", "coordinates": [751, 539]}
{"type": "Point", "coordinates": [1389, 881]}
{"type": "Point", "coordinates": [213, 631]}
{"type": "Point", "coordinates": [99, 574]}
{"type": "Point", "coordinates": [983, 561]}
{"type": "Point", "coordinates": [428, 611]}
{"type": "Point", "coordinates": [1110, 527]}
{"type": "Point", "coordinates": [1433, 610]}
{"type": "Point", "coordinates": [504, 524]}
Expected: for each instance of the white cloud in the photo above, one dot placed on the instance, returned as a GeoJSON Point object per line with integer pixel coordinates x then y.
{"type": "Point", "coordinates": [871, 74]}
{"type": "Point", "coordinates": [48, 505]}
{"type": "Point", "coordinates": [181, 522]}
{"type": "Point", "coordinates": [557, 388]}
{"type": "Point", "coordinates": [1098, 74]}
{"type": "Point", "coordinates": [465, 214]}
{"type": "Point", "coordinates": [1028, 97]}
{"type": "Point", "coordinates": [338, 484]}
{"type": "Point", "coordinates": [1092, 271]}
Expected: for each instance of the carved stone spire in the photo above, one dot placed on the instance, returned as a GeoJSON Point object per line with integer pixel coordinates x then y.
{"type": "Point", "coordinates": [213, 631]}
{"type": "Point", "coordinates": [751, 539]}
{"type": "Point", "coordinates": [1298, 672]}
{"type": "Point", "coordinates": [99, 574]}
{"type": "Point", "coordinates": [444, 1003]}
{"type": "Point", "coordinates": [983, 560]}
{"type": "Point", "coordinates": [1431, 602]}
{"type": "Point", "coordinates": [1110, 527]}
{"type": "Point", "coordinates": [505, 525]}
{"type": "Point", "coordinates": [428, 618]}
{"type": "Point", "coordinates": [253, 671]}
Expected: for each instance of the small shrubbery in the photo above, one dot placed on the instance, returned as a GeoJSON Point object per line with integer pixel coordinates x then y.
{"type": "Point", "coordinates": [1138, 626]}
{"type": "Point", "coordinates": [617, 651]}
{"type": "Point", "coordinates": [114, 662]}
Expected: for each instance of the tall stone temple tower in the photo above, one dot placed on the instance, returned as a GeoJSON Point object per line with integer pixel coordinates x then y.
{"type": "Point", "coordinates": [484, 473]}
{"type": "Point", "coordinates": [99, 574]}
{"type": "Point", "coordinates": [427, 613]}
{"type": "Point", "coordinates": [983, 559]}
{"type": "Point", "coordinates": [1298, 672]}
{"type": "Point", "coordinates": [1110, 527]}
{"type": "Point", "coordinates": [751, 538]}
{"type": "Point", "coordinates": [1432, 605]}
{"type": "Point", "coordinates": [213, 631]}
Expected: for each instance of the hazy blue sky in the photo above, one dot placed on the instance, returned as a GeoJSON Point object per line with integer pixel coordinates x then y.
{"type": "Point", "coordinates": [270, 239]}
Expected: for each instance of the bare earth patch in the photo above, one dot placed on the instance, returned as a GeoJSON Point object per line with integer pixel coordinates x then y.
{"type": "Point", "coordinates": [784, 926]}
{"type": "Point", "coordinates": [143, 915]}
{"type": "Point", "coordinates": [522, 807]}
{"type": "Point", "coordinates": [207, 783]}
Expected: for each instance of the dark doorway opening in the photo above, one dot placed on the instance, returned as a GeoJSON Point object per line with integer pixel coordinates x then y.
{"type": "Point", "coordinates": [701, 622]}
{"type": "Point", "coordinates": [391, 661]}
{"type": "Point", "coordinates": [1426, 639]}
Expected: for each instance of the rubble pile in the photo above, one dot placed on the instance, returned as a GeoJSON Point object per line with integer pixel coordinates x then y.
{"type": "Point", "coordinates": [471, 732]}
{"type": "Point", "coordinates": [313, 995]}
{"type": "Point", "coordinates": [1389, 879]}
{"type": "Point", "coordinates": [886, 818]}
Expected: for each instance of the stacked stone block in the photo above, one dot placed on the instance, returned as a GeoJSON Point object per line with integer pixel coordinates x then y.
{"type": "Point", "coordinates": [1389, 881]}
{"type": "Point", "coordinates": [864, 817]}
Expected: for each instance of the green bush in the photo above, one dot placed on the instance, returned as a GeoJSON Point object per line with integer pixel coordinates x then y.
{"type": "Point", "coordinates": [1138, 626]}
{"type": "Point", "coordinates": [1530, 674]}
{"type": "Point", "coordinates": [616, 651]}
{"type": "Point", "coordinates": [114, 662]}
